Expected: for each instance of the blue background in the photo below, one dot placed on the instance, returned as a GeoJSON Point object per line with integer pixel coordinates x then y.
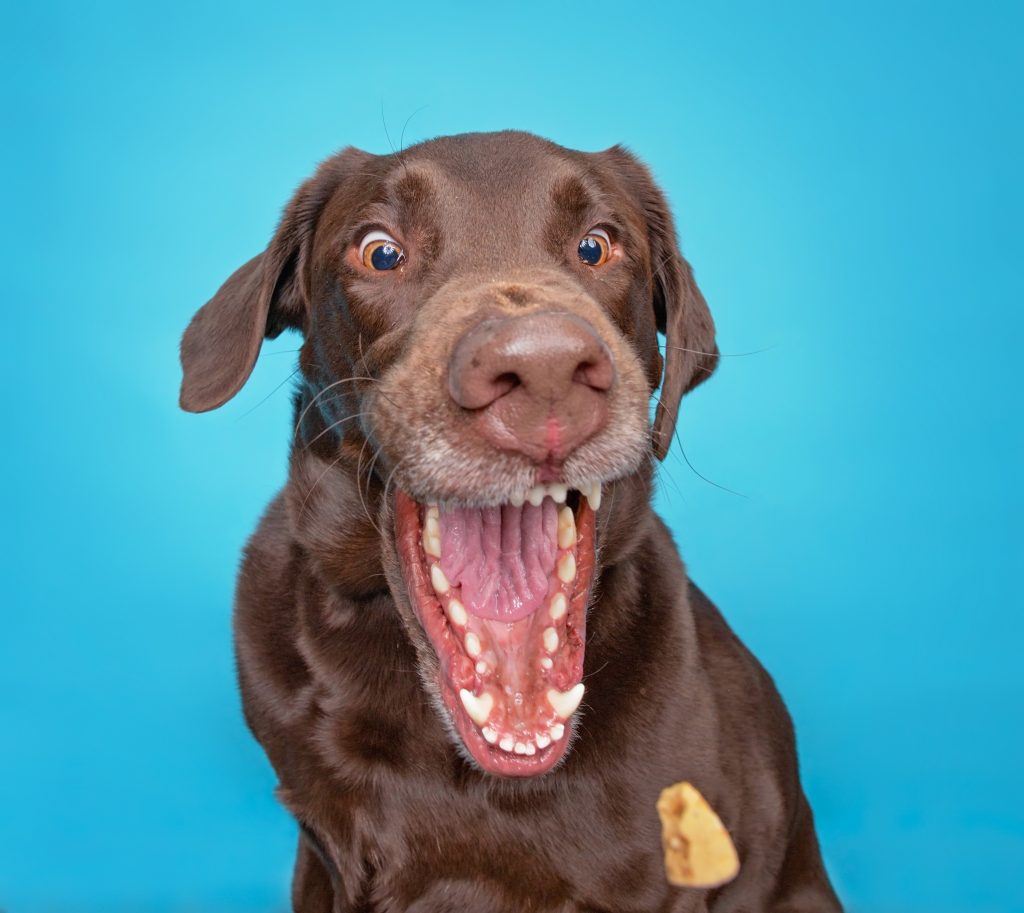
{"type": "Point", "coordinates": [846, 181]}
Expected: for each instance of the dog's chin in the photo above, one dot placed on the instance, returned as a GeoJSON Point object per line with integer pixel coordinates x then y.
{"type": "Point", "coordinates": [501, 592]}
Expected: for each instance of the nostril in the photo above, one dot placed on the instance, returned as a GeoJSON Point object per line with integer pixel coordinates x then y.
{"type": "Point", "coordinates": [507, 381]}
{"type": "Point", "coordinates": [598, 375]}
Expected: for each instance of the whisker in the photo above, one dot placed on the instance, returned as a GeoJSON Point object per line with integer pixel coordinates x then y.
{"type": "Point", "coordinates": [334, 425]}
{"type": "Point", "coordinates": [383, 120]}
{"type": "Point", "coordinates": [723, 354]}
{"type": "Point", "coordinates": [270, 394]}
{"type": "Point", "coordinates": [359, 487]}
{"type": "Point", "coordinates": [344, 380]}
{"type": "Point", "coordinates": [682, 450]}
{"type": "Point", "coordinates": [369, 479]}
{"type": "Point", "coordinates": [319, 479]}
{"type": "Point", "coordinates": [401, 139]}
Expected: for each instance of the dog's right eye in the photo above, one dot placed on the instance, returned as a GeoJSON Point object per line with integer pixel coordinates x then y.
{"type": "Point", "coordinates": [380, 252]}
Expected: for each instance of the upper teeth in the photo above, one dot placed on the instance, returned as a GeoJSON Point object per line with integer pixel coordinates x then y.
{"type": "Point", "coordinates": [439, 580]}
{"type": "Point", "coordinates": [558, 493]}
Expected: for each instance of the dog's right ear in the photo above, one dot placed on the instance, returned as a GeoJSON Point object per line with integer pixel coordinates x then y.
{"type": "Point", "coordinates": [259, 300]}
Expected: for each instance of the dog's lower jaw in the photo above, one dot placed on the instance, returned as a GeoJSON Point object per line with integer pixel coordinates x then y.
{"type": "Point", "coordinates": [509, 665]}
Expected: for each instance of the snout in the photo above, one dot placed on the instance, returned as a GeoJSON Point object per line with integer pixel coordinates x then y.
{"type": "Point", "coordinates": [537, 384]}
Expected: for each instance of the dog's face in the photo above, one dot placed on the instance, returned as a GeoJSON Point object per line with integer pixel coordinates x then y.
{"type": "Point", "coordinates": [480, 317]}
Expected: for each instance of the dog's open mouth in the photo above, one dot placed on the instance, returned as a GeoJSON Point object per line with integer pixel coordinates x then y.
{"type": "Point", "coordinates": [502, 594]}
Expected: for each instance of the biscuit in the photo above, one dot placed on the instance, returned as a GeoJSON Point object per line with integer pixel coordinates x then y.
{"type": "Point", "coordinates": [698, 850]}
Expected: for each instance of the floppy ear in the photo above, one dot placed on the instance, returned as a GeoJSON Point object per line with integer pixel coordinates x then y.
{"type": "Point", "coordinates": [260, 299]}
{"type": "Point", "coordinates": [680, 310]}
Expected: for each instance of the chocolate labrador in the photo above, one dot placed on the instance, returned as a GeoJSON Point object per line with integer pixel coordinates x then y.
{"type": "Point", "coordinates": [464, 639]}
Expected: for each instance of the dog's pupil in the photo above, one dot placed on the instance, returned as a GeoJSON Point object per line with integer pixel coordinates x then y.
{"type": "Point", "coordinates": [590, 251]}
{"type": "Point", "coordinates": [386, 256]}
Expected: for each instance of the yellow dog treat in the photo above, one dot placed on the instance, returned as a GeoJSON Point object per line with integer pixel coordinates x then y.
{"type": "Point", "coordinates": [698, 850]}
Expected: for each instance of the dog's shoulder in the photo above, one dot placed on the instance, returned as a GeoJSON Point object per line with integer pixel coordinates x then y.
{"type": "Point", "coordinates": [744, 689]}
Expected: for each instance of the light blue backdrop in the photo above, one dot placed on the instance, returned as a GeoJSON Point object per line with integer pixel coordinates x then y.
{"type": "Point", "coordinates": [847, 183]}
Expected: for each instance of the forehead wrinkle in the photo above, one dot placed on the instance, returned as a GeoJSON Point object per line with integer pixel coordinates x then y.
{"type": "Point", "coordinates": [577, 205]}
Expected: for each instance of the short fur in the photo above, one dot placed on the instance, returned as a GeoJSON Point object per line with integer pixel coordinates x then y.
{"type": "Point", "coordinates": [335, 672]}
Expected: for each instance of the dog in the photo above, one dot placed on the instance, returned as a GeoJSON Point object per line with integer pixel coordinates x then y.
{"type": "Point", "coordinates": [465, 641]}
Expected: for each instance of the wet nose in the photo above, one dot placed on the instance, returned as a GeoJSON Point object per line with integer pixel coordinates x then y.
{"type": "Point", "coordinates": [537, 383]}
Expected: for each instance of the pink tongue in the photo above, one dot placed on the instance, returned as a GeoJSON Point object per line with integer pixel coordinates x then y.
{"type": "Point", "coordinates": [502, 557]}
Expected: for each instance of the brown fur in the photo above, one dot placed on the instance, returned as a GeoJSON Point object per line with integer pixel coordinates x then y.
{"type": "Point", "coordinates": [335, 672]}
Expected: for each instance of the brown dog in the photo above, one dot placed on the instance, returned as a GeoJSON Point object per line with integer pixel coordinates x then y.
{"type": "Point", "coordinates": [464, 639]}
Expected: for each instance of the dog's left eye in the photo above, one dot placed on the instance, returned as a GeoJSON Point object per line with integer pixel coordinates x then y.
{"type": "Point", "coordinates": [595, 247]}
{"type": "Point", "coordinates": [380, 252]}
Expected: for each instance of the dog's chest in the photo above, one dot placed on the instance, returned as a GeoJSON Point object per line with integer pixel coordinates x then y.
{"type": "Point", "coordinates": [570, 850]}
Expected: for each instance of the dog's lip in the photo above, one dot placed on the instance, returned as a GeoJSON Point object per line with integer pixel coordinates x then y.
{"type": "Point", "coordinates": [459, 680]}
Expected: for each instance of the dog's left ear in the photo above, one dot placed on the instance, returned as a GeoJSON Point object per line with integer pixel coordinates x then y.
{"type": "Point", "coordinates": [680, 310]}
{"type": "Point", "coordinates": [259, 300]}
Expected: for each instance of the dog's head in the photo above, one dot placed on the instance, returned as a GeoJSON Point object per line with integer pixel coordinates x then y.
{"type": "Point", "coordinates": [480, 316]}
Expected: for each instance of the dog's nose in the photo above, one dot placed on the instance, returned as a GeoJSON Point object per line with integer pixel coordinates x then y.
{"type": "Point", "coordinates": [537, 383]}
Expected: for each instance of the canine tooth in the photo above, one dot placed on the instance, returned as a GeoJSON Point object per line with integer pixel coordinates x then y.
{"type": "Point", "coordinates": [547, 662]}
{"type": "Point", "coordinates": [457, 612]}
{"type": "Point", "coordinates": [520, 748]}
{"type": "Point", "coordinates": [566, 528]}
{"type": "Point", "coordinates": [472, 645]}
{"type": "Point", "coordinates": [432, 527]}
{"type": "Point", "coordinates": [543, 740]}
{"type": "Point", "coordinates": [517, 499]}
{"type": "Point", "coordinates": [490, 735]}
{"type": "Point", "coordinates": [558, 492]}
{"type": "Point", "coordinates": [536, 495]}
{"type": "Point", "coordinates": [431, 543]}
{"type": "Point", "coordinates": [478, 708]}
{"type": "Point", "coordinates": [482, 668]}
{"type": "Point", "coordinates": [438, 579]}
{"type": "Point", "coordinates": [594, 496]}
{"type": "Point", "coordinates": [558, 606]}
{"type": "Point", "coordinates": [557, 731]}
{"type": "Point", "coordinates": [566, 568]}
{"type": "Point", "coordinates": [550, 640]}
{"type": "Point", "coordinates": [566, 702]}
{"type": "Point", "coordinates": [507, 743]}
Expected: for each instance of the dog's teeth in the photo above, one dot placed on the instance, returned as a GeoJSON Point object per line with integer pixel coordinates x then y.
{"type": "Point", "coordinates": [478, 708]}
{"type": "Point", "coordinates": [432, 532]}
{"type": "Point", "coordinates": [566, 528]}
{"type": "Point", "coordinates": [472, 645]}
{"type": "Point", "coordinates": [543, 740]}
{"type": "Point", "coordinates": [520, 748]}
{"type": "Point", "coordinates": [457, 612]}
{"type": "Point", "coordinates": [439, 581]}
{"type": "Point", "coordinates": [547, 662]}
{"type": "Point", "coordinates": [557, 731]}
{"type": "Point", "coordinates": [517, 499]}
{"type": "Point", "coordinates": [507, 743]}
{"type": "Point", "coordinates": [482, 668]}
{"type": "Point", "coordinates": [558, 492]}
{"type": "Point", "coordinates": [550, 640]}
{"type": "Point", "coordinates": [536, 495]}
{"type": "Point", "coordinates": [565, 702]}
{"type": "Point", "coordinates": [531, 749]}
{"type": "Point", "coordinates": [594, 496]}
{"type": "Point", "coordinates": [558, 606]}
{"type": "Point", "coordinates": [490, 735]}
{"type": "Point", "coordinates": [566, 568]}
